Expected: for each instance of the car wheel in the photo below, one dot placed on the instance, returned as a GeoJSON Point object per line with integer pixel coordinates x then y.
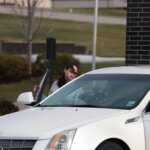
{"type": "Point", "coordinates": [110, 146]}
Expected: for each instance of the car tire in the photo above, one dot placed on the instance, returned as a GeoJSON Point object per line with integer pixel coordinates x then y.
{"type": "Point", "coordinates": [110, 146]}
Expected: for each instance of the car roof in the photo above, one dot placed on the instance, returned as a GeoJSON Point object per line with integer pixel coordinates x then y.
{"type": "Point", "coordinates": [123, 70]}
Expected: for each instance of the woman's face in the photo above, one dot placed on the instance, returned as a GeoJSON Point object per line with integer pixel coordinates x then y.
{"type": "Point", "coordinates": [71, 73]}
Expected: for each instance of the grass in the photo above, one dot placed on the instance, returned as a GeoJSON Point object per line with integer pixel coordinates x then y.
{"type": "Point", "coordinates": [86, 67]}
{"type": "Point", "coordinates": [110, 42]}
{"type": "Point", "coordinates": [110, 38]}
{"type": "Point", "coordinates": [10, 91]}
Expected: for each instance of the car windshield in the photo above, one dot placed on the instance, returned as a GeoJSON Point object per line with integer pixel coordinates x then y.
{"type": "Point", "coordinates": [119, 91]}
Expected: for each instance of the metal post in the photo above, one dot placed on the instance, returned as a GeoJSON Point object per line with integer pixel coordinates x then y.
{"type": "Point", "coordinates": [95, 34]}
{"type": "Point", "coordinates": [50, 73]}
{"type": "Point", "coordinates": [1, 46]}
{"type": "Point", "coordinates": [51, 54]}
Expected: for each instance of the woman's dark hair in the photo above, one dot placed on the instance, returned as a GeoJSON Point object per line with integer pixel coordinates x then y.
{"type": "Point", "coordinates": [61, 80]}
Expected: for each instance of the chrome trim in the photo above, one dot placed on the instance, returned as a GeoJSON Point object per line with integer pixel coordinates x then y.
{"type": "Point", "coordinates": [17, 144]}
{"type": "Point", "coordinates": [1, 148]}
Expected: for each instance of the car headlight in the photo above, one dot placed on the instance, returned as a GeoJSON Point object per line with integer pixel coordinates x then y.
{"type": "Point", "coordinates": [62, 140]}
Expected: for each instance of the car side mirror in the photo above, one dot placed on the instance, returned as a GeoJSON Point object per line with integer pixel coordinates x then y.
{"type": "Point", "coordinates": [148, 108]}
{"type": "Point", "coordinates": [26, 98]}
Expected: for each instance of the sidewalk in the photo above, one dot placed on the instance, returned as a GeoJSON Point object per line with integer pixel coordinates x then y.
{"type": "Point", "coordinates": [21, 106]}
{"type": "Point", "coordinates": [88, 58]}
{"type": "Point", "coordinates": [69, 16]}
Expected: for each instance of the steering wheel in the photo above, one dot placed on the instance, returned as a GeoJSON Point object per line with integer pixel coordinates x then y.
{"type": "Point", "coordinates": [95, 98]}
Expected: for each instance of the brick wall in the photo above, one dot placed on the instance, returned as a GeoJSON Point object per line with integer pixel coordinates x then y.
{"type": "Point", "coordinates": [138, 32]}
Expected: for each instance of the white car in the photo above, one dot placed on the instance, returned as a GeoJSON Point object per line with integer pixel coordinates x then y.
{"type": "Point", "coordinates": [105, 109]}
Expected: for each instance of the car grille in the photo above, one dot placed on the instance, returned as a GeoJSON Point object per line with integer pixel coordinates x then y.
{"type": "Point", "coordinates": [16, 144]}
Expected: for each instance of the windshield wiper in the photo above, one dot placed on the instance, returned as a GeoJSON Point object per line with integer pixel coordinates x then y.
{"type": "Point", "coordinates": [88, 106]}
{"type": "Point", "coordinates": [84, 106]}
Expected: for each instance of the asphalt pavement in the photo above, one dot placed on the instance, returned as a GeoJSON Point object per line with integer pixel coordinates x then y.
{"type": "Point", "coordinates": [68, 16]}
{"type": "Point", "coordinates": [21, 106]}
{"type": "Point", "coordinates": [73, 17]}
{"type": "Point", "coordinates": [88, 58]}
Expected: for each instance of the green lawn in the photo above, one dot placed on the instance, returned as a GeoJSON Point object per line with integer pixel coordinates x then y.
{"type": "Point", "coordinates": [10, 91]}
{"type": "Point", "coordinates": [110, 38]}
{"type": "Point", "coordinates": [110, 42]}
{"type": "Point", "coordinates": [85, 67]}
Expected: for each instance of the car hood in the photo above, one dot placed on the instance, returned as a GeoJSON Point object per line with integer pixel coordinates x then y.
{"type": "Point", "coordinates": [41, 123]}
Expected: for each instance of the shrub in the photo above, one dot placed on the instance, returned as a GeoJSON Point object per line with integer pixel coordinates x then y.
{"type": "Point", "coordinates": [7, 107]}
{"type": "Point", "coordinates": [59, 64]}
{"type": "Point", "coordinates": [12, 68]}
